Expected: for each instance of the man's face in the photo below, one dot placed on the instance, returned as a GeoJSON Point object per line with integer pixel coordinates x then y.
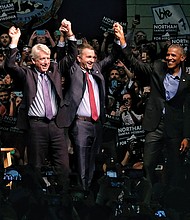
{"type": "Point", "coordinates": [87, 58]}
{"type": "Point", "coordinates": [42, 63]}
{"type": "Point", "coordinates": [127, 100]}
{"type": "Point", "coordinates": [114, 74]}
{"type": "Point", "coordinates": [8, 80]}
{"type": "Point", "coordinates": [4, 39]}
{"type": "Point", "coordinates": [174, 57]}
{"type": "Point", "coordinates": [95, 44]}
{"type": "Point", "coordinates": [4, 97]}
{"type": "Point", "coordinates": [140, 36]}
{"type": "Point", "coordinates": [41, 39]}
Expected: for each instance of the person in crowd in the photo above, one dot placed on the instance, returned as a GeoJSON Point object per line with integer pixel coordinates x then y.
{"type": "Point", "coordinates": [56, 35]}
{"type": "Point", "coordinates": [114, 85]}
{"type": "Point", "coordinates": [126, 75]}
{"type": "Point", "coordinates": [4, 42]}
{"type": "Point", "coordinates": [167, 114]}
{"type": "Point", "coordinates": [26, 56]}
{"type": "Point", "coordinates": [39, 115]}
{"type": "Point", "coordinates": [140, 38]}
{"type": "Point", "coordinates": [15, 101]}
{"type": "Point", "coordinates": [2, 59]}
{"type": "Point", "coordinates": [129, 117]}
{"type": "Point", "coordinates": [8, 82]}
{"type": "Point", "coordinates": [43, 37]}
{"type": "Point", "coordinates": [85, 118]}
{"type": "Point", "coordinates": [140, 96]}
{"type": "Point", "coordinates": [126, 112]}
{"type": "Point", "coordinates": [4, 101]}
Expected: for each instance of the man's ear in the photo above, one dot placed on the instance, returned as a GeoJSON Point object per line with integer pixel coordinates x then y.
{"type": "Point", "coordinates": [33, 61]}
{"type": "Point", "coordinates": [79, 58]}
{"type": "Point", "coordinates": [183, 58]}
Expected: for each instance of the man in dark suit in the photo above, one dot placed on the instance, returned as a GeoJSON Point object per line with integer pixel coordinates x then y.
{"type": "Point", "coordinates": [86, 131]}
{"type": "Point", "coordinates": [46, 135]}
{"type": "Point", "coordinates": [167, 114]}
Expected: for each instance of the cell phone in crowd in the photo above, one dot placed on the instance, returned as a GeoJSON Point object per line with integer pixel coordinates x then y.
{"type": "Point", "coordinates": [111, 173]}
{"type": "Point", "coordinates": [40, 32]}
{"type": "Point", "coordinates": [114, 180]}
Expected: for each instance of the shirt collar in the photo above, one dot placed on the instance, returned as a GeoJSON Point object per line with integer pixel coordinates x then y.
{"type": "Point", "coordinates": [178, 76]}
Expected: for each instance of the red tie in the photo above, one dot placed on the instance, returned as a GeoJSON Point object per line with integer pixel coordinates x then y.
{"type": "Point", "coordinates": [92, 99]}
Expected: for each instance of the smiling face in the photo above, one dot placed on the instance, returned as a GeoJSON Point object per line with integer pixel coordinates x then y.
{"type": "Point", "coordinates": [42, 63]}
{"type": "Point", "coordinates": [175, 55]}
{"type": "Point", "coordinates": [41, 57]}
{"type": "Point", "coordinates": [86, 58]}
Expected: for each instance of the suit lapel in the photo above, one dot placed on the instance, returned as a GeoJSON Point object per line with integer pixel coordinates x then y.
{"type": "Point", "coordinates": [182, 83]}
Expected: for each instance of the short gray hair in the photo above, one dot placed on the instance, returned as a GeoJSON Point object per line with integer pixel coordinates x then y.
{"type": "Point", "coordinates": [37, 48]}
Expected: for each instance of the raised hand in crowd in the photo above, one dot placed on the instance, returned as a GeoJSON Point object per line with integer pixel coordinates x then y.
{"type": "Point", "coordinates": [66, 27]}
{"type": "Point", "coordinates": [119, 33]}
{"type": "Point", "coordinates": [15, 34]}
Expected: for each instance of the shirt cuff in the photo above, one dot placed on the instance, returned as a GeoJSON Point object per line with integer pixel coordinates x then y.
{"type": "Point", "coordinates": [72, 38]}
{"type": "Point", "coordinates": [119, 43]}
{"type": "Point", "coordinates": [61, 44]}
{"type": "Point", "coordinates": [12, 46]}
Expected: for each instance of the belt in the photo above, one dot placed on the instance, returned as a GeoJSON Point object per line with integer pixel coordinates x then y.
{"type": "Point", "coordinates": [85, 118]}
{"type": "Point", "coordinates": [44, 119]}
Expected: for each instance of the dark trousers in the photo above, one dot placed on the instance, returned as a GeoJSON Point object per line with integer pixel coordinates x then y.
{"type": "Point", "coordinates": [87, 138]}
{"type": "Point", "coordinates": [156, 143]}
{"type": "Point", "coordinates": [47, 141]}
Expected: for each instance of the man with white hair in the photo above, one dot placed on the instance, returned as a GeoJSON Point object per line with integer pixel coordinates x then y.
{"type": "Point", "coordinates": [40, 112]}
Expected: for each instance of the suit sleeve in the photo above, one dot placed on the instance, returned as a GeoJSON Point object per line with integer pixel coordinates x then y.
{"type": "Point", "coordinates": [12, 67]}
{"type": "Point", "coordinates": [68, 60]}
{"type": "Point", "coordinates": [138, 66]}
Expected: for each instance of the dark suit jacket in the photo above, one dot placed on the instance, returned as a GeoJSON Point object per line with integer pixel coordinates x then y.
{"type": "Point", "coordinates": [29, 77]}
{"type": "Point", "coordinates": [177, 110]}
{"type": "Point", "coordinates": [76, 88]}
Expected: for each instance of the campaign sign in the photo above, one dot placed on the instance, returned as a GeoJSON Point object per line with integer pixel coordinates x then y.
{"type": "Point", "coordinates": [107, 24]}
{"type": "Point", "coordinates": [127, 134]}
{"type": "Point", "coordinates": [163, 32]}
{"type": "Point", "coordinates": [7, 12]}
{"type": "Point", "coordinates": [171, 14]}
